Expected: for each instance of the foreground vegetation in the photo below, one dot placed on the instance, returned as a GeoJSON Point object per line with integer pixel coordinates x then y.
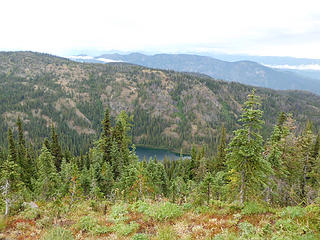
{"type": "Point", "coordinates": [162, 220]}
{"type": "Point", "coordinates": [251, 189]}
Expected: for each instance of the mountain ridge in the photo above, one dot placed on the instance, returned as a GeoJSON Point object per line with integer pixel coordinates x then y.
{"type": "Point", "coordinates": [245, 71]}
{"type": "Point", "coordinates": [171, 110]}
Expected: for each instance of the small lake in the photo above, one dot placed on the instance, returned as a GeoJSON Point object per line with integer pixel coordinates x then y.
{"type": "Point", "coordinates": [159, 153]}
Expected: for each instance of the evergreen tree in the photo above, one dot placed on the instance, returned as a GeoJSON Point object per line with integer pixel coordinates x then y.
{"type": "Point", "coordinates": [55, 148]}
{"type": "Point", "coordinates": [24, 159]}
{"type": "Point", "coordinates": [12, 146]}
{"type": "Point", "coordinates": [221, 151]}
{"type": "Point", "coordinates": [306, 146]}
{"type": "Point", "coordinates": [316, 147]}
{"type": "Point", "coordinates": [48, 183]}
{"type": "Point", "coordinates": [10, 183]}
{"type": "Point", "coordinates": [106, 140]}
{"type": "Point", "coordinates": [244, 158]}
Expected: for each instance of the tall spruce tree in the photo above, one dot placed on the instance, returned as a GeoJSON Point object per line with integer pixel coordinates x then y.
{"type": "Point", "coordinates": [55, 148]}
{"type": "Point", "coordinates": [244, 159]}
{"type": "Point", "coordinates": [106, 140]}
{"type": "Point", "coordinates": [10, 179]}
{"type": "Point", "coordinates": [12, 146]}
{"type": "Point", "coordinates": [306, 146]}
{"type": "Point", "coordinates": [221, 151]}
{"type": "Point", "coordinates": [48, 182]}
{"type": "Point", "coordinates": [24, 159]}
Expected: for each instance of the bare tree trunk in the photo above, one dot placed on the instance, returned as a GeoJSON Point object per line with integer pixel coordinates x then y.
{"type": "Point", "coordinates": [7, 199]}
{"type": "Point", "coordinates": [73, 193]}
{"type": "Point", "coordinates": [304, 181]}
{"type": "Point", "coordinates": [242, 189]}
{"type": "Point", "coordinates": [208, 193]}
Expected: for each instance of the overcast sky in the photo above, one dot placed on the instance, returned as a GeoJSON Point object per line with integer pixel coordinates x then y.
{"type": "Point", "coordinates": [256, 27]}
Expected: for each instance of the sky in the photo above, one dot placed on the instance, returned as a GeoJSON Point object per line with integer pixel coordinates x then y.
{"type": "Point", "coordinates": [254, 27]}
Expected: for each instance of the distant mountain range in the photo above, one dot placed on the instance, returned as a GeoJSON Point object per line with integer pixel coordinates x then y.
{"type": "Point", "coordinates": [246, 72]}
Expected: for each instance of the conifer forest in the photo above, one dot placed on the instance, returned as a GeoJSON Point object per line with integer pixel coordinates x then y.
{"type": "Point", "coordinates": [246, 186]}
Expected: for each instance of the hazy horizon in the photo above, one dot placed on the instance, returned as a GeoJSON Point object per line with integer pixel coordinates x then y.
{"type": "Point", "coordinates": [269, 28]}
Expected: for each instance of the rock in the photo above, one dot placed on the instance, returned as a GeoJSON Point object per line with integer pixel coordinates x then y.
{"type": "Point", "coordinates": [31, 205]}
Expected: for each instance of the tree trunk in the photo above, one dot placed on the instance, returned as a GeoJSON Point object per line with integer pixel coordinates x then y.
{"type": "Point", "coordinates": [304, 181]}
{"type": "Point", "coordinates": [7, 199]}
{"type": "Point", "coordinates": [208, 193]}
{"type": "Point", "coordinates": [242, 189]}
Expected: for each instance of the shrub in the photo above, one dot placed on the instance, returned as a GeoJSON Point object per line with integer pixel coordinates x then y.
{"type": "Point", "coordinates": [141, 206]}
{"type": "Point", "coordinates": [167, 233]}
{"type": "Point", "coordinates": [140, 236]}
{"type": "Point", "coordinates": [58, 233]}
{"type": "Point", "coordinates": [87, 223]}
{"type": "Point", "coordinates": [248, 231]}
{"type": "Point", "coordinates": [253, 208]}
{"type": "Point", "coordinates": [125, 229]}
{"type": "Point", "coordinates": [225, 235]}
{"type": "Point", "coordinates": [3, 223]}
{"type": "Point", "coordinates": [90, 224]}
{"type": "Point", "coordinates": [165, 211]}
{"type": "Point", "coordinates": [31, 213]}
{"type": "Point", "coordinates": [287, 225]}
{"type": "Point", "coordinates": [293, 212]}
{"type": "Point", "coordinates": [119, 212]}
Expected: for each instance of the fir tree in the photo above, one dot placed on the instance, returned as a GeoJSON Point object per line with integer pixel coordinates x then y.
{"type": "Point", "coordinates": [106, 140]}
{"type": "Point", "coordinates": [12, 146]}
{"type": "Point", "coordinates": [48, 182]}
{"type": "Point", "coordinates": [221, 151]}
{"type": "Point", "coordinates": [55, 148]}
{"type": "Point", "coordinates": [306, 145]}
{"type": "Point", "coordinates": [244, 158]}
{"type": "Point", "coordinates": [10, 183]}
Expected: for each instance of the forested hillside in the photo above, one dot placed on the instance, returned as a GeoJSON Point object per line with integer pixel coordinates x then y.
{"type": "Point", "coordinates": [170, 109]}
{"type": "Point", "coordinates": [246, 72]}
{"type": "Point", "coordinates": [250, 189]}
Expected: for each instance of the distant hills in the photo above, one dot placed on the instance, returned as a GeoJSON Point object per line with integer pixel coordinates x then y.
{"type": "Point", "coordinates": [246, 72]}
{"type": "Point", "coordinates": [171, 110]}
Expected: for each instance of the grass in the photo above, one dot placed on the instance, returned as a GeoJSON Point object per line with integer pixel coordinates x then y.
{"type": "Point", "coordinates": [151, 220]}
{"type": "Point", "coordinates": [58, 233]}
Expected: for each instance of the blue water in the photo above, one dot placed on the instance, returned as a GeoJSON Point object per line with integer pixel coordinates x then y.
{"type": "Point", "coordinates": [159, 153]}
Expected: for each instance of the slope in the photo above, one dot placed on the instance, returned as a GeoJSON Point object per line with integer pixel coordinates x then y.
{"type": "Point", "coordinates": [171, 110]}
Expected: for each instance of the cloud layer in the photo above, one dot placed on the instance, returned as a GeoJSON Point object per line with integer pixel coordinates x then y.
{"type": "Point", "coordinates": [265, 28]}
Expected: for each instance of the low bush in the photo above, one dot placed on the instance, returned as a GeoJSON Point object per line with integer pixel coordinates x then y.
{"type": "Point", "coordinates": [119, 212]}
{"type": "Point", "coordinates": [293, 212]}
{"type": "Point", "coordinates": [3, 223]}
{"type": "Point", "coordinates": [58, 233]}
{"type": "Point", "coordinates": [140, 236]}
{"type": "Point", "coordinates": [253, 208]}
{"type": "Point", "coordinates": [167, 233]}
{"type": "Point", "coordinates": [90, 224]}
{"type": "Point", "coordinates": [126, 229]}
{"type": "Point", "coordinates": [165, 211]}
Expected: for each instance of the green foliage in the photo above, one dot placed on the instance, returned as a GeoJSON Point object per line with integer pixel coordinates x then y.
{"type": "Point", "coordinates": [167, 233]}
{"type": "Point", "coordinates": [253, 208]}
{"type": "Point", "coordinates": [124, 229]}
{"type": "Point", "coordinates": [119, 212]}
{"type": "Point", "coordinates": [164, 211]}
{"type": "Point", "coordinates": [248, 168]}
{"type": "Point", "coordinates": [140, 236]}
{"type": "Point", "coordinates": [90, 224]}
{"type": "Point", "coordinates": [226, 235]}
{"type": "Point", "coordinates": [48, 182]}
{"type": "Point", "coordinates": [87, 223]}
{"type": "Point", "coordinates": [293, 212]}
{"type": "Point", "coordinates": [3, 223]}
{"type": "Point", "coordinates": [58, 233]}
{"type": "Point", "coordinates": [31, 213]}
